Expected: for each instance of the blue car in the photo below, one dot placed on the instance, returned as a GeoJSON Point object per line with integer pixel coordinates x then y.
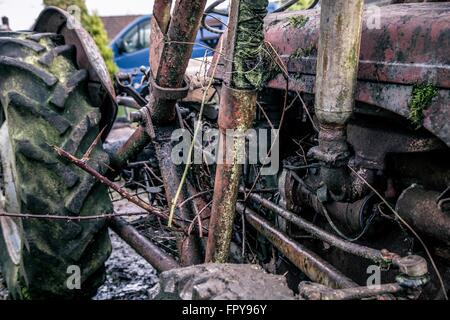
{"type": "Point", "coordinates": [131, 45]}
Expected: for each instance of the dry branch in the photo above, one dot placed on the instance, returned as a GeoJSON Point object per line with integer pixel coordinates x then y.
{"type": "Point", "coordinates": [84, 166]}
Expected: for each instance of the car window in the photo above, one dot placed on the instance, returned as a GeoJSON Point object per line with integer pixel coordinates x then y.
{"type": "Point", "coordinates": [131, 40]}
{"type": "Point", "coordinates": [144, 31]}
{"type": "Point", "coordinates": [137, 38]}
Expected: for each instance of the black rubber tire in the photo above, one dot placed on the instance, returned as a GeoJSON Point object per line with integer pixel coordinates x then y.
{"type": "Point", "coordinates": [45, 100]}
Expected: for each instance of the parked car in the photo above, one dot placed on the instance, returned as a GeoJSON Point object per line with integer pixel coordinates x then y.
{"type": "Point", "coordinates": [131, 45]}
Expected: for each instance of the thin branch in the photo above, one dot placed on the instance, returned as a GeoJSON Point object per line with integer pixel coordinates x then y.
{"type": "Point", "coordinates": [71, 218]}
{"type": "Point", "coordinates": [84, 166]}
{"type": "Point", "coordinates": [88, 152]}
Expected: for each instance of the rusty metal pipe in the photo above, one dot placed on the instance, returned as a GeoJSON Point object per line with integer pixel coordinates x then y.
{"type": "Point", "coordinates": [412, 265]}
{"type": "Point", "coordinates": [314, 267]}
{"type": "Point", "coordinates": [313, 291]}
{"type": "Point", "coordinates": [237, 110]}
{"type": "Point", "coordinates": [170, 50]}
{"type": "Point", "coordinates": [338, 57]}
{"type": "Point", "coordinates": [150, 252]}
{"type": "Point", "coordinates": [350, 247]}
{"type": "Point", "coordinates": [169, 60]}
{"type": "Point", "coordinates": [128, 102]}
{"type": "Point", "coordinates": [135, 144]}
{"type": "Point", "coordinates": [236, 114]}
{"type": "Point", "coordinates": [189, 246]}
{"type": "Point", "coordinates": [337, 67]}
{"type": "Point", "coordinates": [161, 12]}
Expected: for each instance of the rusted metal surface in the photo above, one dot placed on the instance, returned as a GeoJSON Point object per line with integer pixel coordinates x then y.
{"type": "Point", "coordinates": [170, 50]}
{"type": "Point", "coordinates": [236, 113]}
{"type": "Point", "coordinates": [237, 110]}
{"type": "Point", "coordinates": [371, 154]}
{"type": "Point", "coordinates": [161, 12]}
{"type": "Point", "coordinates": [199, 206]}
{"type": "Point", "coordinates": [170, 60]}
{"type": "Point", "coordinates": [135, 144]}
{"type": "Point", "coordinates": [337, 61]}
{"type": "Point", "coordinates": [410, 46]}
{"type": "Point", "coordinates": [350, 247]}
{"type": "Point", "coordinates": [88, 57]}
{"type": "Point", "coordinates": [308, 262]}
{"type": "Point", "coordinates": [150, 252]}
{"type": "Point", "coordinates": [128, 102]}
{"type": "Point", "coordinates": [337, 68]}
{"type": "Point", "coordinates": [314, 291]}
{"type": "Point", "coordinates": [189, 246]}
{"type": "Point", "coordinates": [420, 208]}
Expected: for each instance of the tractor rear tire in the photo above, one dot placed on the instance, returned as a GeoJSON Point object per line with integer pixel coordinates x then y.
{"type": "Point", "coordinates": [45, 102]}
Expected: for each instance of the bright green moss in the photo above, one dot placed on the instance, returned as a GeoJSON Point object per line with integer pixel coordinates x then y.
{"type": "Point", "coordinates": [422, 96]}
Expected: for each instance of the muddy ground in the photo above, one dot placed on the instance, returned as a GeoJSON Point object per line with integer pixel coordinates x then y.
{"type": "Point", "coordinates": [128, 276]}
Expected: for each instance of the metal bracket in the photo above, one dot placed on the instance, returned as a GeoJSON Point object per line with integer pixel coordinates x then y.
{"type": "Point", "coordinates": [169, 93]}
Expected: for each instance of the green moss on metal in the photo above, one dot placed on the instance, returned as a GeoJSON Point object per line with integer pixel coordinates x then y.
{"type": "Point", "coordinates": [421, 98]}
{"type": "Point", "coordinates": [249, 59]}
{"type": "Point", "coordinates": [298, 21]}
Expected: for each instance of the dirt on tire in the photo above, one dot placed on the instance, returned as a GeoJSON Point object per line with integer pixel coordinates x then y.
{"type": "Point", "coordinates": [45, 100]}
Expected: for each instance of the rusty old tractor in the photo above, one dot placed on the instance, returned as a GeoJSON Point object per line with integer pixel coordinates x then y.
{"type": "Point", "coordinates": [355, 98]}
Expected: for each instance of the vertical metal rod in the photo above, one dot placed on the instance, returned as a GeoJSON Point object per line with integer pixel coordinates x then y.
{"type": "Point", "coordinates": [169, 55]}
{"type": "Point", "coordinates": [337, 68]}
{"type": "Point", "coordinates": [236, 114]}
{"type": "Point", "coordinates": [189, 246]}
{"type": "Point", "coordinates": [338, 58]}
{"type": "Point", "coordinates": [170, 60]}
{"type": "Point", "coordinates": [237, 109]}
{"type": "Point", "coordinates": [161, 12]}
{"type": "Point", "coordinates": [314, 267]}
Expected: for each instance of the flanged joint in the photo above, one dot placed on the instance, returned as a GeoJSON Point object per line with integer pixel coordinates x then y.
{"type": "Point", "coordinates": [412, 265]}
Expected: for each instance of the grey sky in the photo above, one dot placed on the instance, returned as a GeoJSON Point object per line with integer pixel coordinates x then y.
{"type": "Point", "coordinates": [22, 13]}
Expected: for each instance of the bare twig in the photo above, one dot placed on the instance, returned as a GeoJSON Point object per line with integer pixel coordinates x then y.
{"type": "Point", "coordinates": [284, 69]}
{"type": "Point", "coordinates": [285, 108]}
{"type": "Point", "coordinates": [87, 155]}
{"type": "Point", "coordinates": [70, 218]}
{"type": "Point", "coordinates": [84, 166]}
{"type": "Point", "coordinates": [199, 219]}
{"type": "Point", "coordinates": [193, 197]}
